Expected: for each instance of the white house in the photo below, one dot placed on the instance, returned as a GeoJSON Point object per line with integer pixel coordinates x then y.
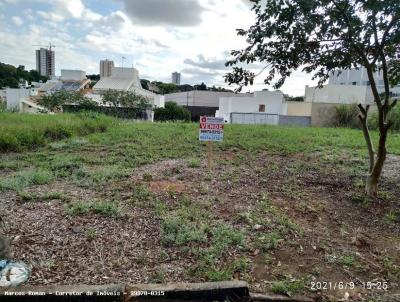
{"type": "Point", "coordinates": [126, 79]}
{"type": "Point", "coordinates": [263, 102]}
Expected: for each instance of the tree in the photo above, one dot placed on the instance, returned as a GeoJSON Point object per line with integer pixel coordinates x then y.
{"type": "Point", "coordinates": [55, 101]}
{"type": "Point", "coordinates": [172, 112]}
{"type": "Point", "coordinates": [296, 99]}
{"type": "Point", "coordinates": [125, 99]}
{"type": "Point", "coordinates": [202, 86]}
{"type": "Point", "coordinates": [321, 36]}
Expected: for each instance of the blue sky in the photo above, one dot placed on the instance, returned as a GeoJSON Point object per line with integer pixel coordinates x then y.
{"type": "Point", "coordinates": [158, 37]}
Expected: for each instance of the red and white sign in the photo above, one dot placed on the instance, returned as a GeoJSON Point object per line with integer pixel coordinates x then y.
{"type": "Point", "coordinates": [211, 128]}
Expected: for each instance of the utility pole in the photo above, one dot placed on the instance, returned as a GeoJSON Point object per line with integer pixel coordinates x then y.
{"type": "Point", "coordinates": [122, 61]}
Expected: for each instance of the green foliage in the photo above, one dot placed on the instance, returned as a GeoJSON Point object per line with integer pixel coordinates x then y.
{"type": "Point", "coordinates": [158, 277]}
{"type": "Point", "coordinates": [194, 163]}
{"type": "Point", "coordinates": [19, 132]}
{"type": "Point", "coordinates": [55, 101]}
{"type": "Point", "coordinates": [179, 231]}
{"type": "Point", "coordinates": [287, 287]}
{"type": "Point", "coordinates": [266, 242]}
{"type": "Point", "coordinates": [106, 208]}
{"type": "Point", "coordinates": [25, 179]}
{"type": "Point", "coordinates": [34, 197]}
{"type": "Point", "coordinates": [10, 76]}
{"type": "Point", "coordinates": [296, 98]}
{"type": "Point", "coordinates": [347, 116]}
{"type": "Point", "coordinates": [393, 116]}
{"type": "Point", "coordinates": [171, 112]}
{"type": "Point", "coordinates": [128, 99]}
{"type": "Point", "coordinates": [284, 38]}
{"type": "Point", "coordinates": [347, 260]}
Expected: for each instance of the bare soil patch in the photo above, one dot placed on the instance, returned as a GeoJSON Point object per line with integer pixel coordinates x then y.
{"type": "Point", "coordinates": [327, 230]}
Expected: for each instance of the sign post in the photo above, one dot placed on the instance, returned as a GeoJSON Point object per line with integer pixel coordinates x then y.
{"type": "Point", "coordinates": [211, 130]}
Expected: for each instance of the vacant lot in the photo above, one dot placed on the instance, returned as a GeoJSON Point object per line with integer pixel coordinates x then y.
{"type": "Point", "coordinates": [284, 207]}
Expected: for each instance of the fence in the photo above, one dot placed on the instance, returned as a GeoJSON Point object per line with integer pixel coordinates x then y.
{"type": "Point", "coordinates": [269, 119]}
{"type": "Point", "coordinates": [254, 118]}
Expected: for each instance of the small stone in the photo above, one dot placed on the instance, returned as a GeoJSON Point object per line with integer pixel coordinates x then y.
{"type": "Point", "coordinates": [77, 230]}
{"type": "Point", "coordinates": [257, 227]}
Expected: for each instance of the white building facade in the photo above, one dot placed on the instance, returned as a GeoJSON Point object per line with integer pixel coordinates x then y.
{"type": "Point", "coordinates": [359, 77]}
{"type": "Point", "coordinates": [339, 94]}
{"type": "Point", "coordinates": [262, 102]}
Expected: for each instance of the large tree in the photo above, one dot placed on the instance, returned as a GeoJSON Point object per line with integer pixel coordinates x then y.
{"type": "Point", "coordinates": [320, 36]}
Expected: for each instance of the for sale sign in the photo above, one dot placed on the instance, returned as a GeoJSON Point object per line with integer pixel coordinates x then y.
{"type": "Point", "coordinates": [211, 129]}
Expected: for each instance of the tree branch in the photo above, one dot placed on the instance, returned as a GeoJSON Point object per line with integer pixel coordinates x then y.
{"type": "Point", "coordinates": [382, 44]}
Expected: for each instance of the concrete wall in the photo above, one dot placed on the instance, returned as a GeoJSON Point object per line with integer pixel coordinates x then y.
{"type": "Point", "coordinates": [340, 94]}
{"type": "Point", "coordinates": [199, 98]}
{"type": "Point", "coordinates": [299, 108]}
{"type": "Point", "coordinates": [251, 118]}
{"type": "Point", "coordinates": [14, 96]}
{"type": "Point", "coordinates": [287, 120]}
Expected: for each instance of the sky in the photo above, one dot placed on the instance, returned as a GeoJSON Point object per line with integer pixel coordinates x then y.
{"type": "Point", "coordinates": [158, 37]}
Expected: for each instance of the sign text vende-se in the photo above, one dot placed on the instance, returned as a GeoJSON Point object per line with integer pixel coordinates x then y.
{"type": "Point", "coordinates": [211, 129]}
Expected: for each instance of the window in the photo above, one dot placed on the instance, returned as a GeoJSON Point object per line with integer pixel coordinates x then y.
{"type": "Point", "coordinates": [261, 108]}
{"type": "Point", "coordinates": [354, 83]}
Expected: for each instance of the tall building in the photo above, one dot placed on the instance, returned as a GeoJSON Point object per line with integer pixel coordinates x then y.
{"type": "Point", "coordinates": [45, 62]}
{"type": "Point", "coordinates": [176, 78]}
{"type": "Point", "coordinates": [105, 68]}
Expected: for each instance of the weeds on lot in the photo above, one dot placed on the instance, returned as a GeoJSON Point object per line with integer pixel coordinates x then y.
{"type": "Point", "coordinates": [21, 132]}
{"type": "Point", "coordinates": [34, 197]}
{"type": "Point", "coordinates": [85, 177]}
{"type": "Point", "coordinates": [392, 269]}
{"type": "Point", "coordinates": [147, 177]}
{"type": "Point", "coordinates": [287, 287]}
{"type": "Point", "coordinates": [180, 232]}
{"type": "Point", "coordinates": [267, 241]}
{"type": "Point", "coordinates": [91, 234]}
{"type": "Point", "coordinates": [158, 277]}
{"type": "Point", "coordinates": [26, 178]}
{"type": "Point", "coordinates": [347, 260]}
{"type": "Point", "coordinates": [64, 166]}
{"type": "Point", "coordinates": [194, 163]}
{"type": "Point", "coordinates": [106, 208]}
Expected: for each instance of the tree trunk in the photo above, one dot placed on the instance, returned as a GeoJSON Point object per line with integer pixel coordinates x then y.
{"type": "Point", "coordinates": [371, 187]}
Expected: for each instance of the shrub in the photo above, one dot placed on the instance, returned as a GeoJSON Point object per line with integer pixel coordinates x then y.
{"type": "Point", "coordinates": [171, 112]}
{"type": "Point", "coordinates": [394, 116]}
{"type": "Point", "coordinates": [347, 116]}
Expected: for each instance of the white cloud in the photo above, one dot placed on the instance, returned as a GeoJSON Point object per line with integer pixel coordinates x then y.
{"type": "Point", "coordinates": [17, 20]}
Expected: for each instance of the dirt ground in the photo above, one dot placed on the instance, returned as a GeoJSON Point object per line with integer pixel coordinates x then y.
{"type": "Point", "coordinates": [331, 233]}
